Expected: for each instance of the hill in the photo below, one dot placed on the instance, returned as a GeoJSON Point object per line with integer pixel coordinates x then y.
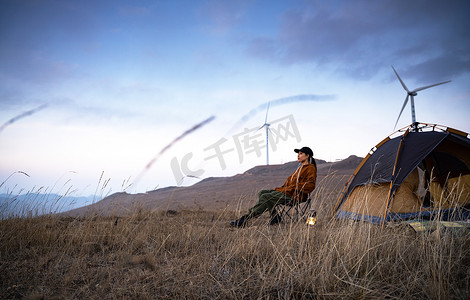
{"type": "Point", "coordinates": [217, 193]}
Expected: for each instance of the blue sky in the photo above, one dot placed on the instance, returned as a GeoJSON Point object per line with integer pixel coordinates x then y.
{"type": "Point", "coordinates": [117, 81]}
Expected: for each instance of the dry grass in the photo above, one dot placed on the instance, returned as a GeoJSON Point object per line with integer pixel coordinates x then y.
{"type": "Point", "coordinates": [197, 255]}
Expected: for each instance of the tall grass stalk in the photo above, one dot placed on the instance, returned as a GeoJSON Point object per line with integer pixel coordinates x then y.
{"type": "Point", "coordinates": [197, 255]}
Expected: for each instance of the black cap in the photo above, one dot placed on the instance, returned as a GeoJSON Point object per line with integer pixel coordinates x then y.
{"type": "Point", "coordinates": [305, 150]}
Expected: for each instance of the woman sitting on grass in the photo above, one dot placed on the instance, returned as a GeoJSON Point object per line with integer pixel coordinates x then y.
{"type": "Point", "coordinates": [294, 190]}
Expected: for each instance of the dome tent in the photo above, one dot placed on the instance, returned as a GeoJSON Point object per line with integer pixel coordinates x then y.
{"type": "Point", "coordinates": [384, 187]}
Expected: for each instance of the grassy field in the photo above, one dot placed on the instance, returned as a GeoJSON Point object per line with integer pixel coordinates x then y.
{"type": "Point", "coordinates": [197, 255]}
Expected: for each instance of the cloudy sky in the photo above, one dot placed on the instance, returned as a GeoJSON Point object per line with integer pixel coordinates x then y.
{"type": "Point", "coordinates": [93, 92]}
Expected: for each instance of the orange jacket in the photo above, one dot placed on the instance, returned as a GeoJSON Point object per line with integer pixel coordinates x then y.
{"type": "Point", "coordinates": [300, 183]}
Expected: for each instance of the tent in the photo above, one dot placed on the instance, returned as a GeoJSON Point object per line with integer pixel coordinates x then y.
{"type": "Point", "coordinates": [420, 171]}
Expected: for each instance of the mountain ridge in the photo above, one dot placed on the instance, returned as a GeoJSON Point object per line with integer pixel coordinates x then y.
{"type": "Point", "coordinates": [236, 192]}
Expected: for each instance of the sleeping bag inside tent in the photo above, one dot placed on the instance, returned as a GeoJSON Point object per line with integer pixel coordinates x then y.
{"type": "Point", "coordinates": [423, 172]}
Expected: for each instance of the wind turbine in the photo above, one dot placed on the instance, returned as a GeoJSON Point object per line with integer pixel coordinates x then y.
{"type": "Point", "coordinates": [412, 94]}
{"type": "Point", "coordinates": [266, 126]}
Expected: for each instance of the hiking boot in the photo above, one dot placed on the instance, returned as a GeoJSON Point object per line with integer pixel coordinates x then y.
{"type": "Point", "coordinates": [276, 219]}
{"type": "Point", "coordinates": [240, 222]}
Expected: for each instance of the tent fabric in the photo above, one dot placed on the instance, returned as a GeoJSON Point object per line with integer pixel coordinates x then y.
{"type": "Point", "coordinates": [384, 187]}
{"type": "Point", "coordinates": [443, 214]}
{"type": "Point", "coordinates": [456, 191]}
{"type": "Point", "coordinates": [416, 146]}
{"type": "Point", "coordinates": [372, 198]}
{"type": "Point", "coordinates": [379, 167]}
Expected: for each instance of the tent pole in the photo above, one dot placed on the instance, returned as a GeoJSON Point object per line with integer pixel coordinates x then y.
{"type": "Point", "coordinates": [341, 196]}
{"type": "Point", "coordinates": [338, 203]}
{"type": "Point", "coordinates": [389, 198]}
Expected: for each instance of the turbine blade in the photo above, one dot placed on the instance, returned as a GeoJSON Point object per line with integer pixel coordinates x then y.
{"type": "Point", "coordinates": [267, 109]}
{"type": "Point", "coordinates": [20, 116]}
{"type": "Point", "coordinates": [426, 87]}
{"type": "Point", "coordinates": [401, 81]}
{"type": "Point", "coordinates": [291, 99]}
{"type": "Point", "coordinates": [403, 107]}
{"type": "Point", "coordinates": [189, 131]}
{"type": "Point", "coordinates": [271, 132]}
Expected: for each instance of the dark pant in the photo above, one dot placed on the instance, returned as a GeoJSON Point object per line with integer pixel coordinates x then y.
{"type": "Point", "coordinates": [268, 199]}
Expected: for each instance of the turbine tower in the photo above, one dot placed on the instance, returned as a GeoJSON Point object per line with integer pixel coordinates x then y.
{"type": "Point", "coordinates": [266, 126]}
{"type": "Point", "coordinates": [412, 94]}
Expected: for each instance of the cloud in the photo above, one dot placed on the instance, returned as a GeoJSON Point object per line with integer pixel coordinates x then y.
{"type": "Point", "coordinates": [443, 67]}
{"type": "Point", "coordinates": [223, 16]}
{"type": "Point", "coordinates": [360, 38]}
{"type": "Point", "coordinates": [134, 11]}
{"type": "Point", "coordinates": [38, 39]}
{"type": "Point", "coordinates": [34, 67]}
